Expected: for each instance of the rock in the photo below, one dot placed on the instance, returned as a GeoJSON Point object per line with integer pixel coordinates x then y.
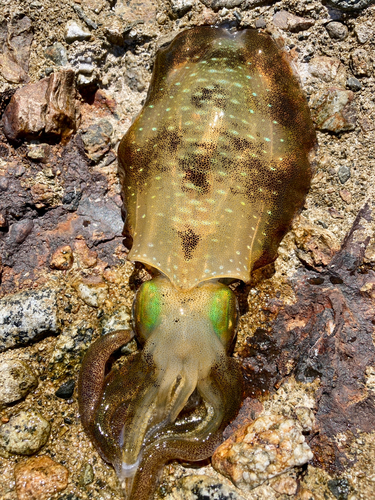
{"type": "Point", "coordinates": [333, 110]}
{"type": "Point", "coordinates": [346, 196]}
{"type": "Point", "coordinates": [16, 381]}
{"type": "Point", "coordinates": [26, 316]}
{"type": "Point", "coordinates": [57, 54]}
{"type": "Point", "coordinates": [337, 31]}
{"type": "Point", "coordinates": [360, 62]}
{"type": "Point", "coordinates": [97, 139]}
{"type": "Point", "coordinates": [114, 30]}
{"type": "Point", "coordinates": [289, 22]}
{"type": "Point", "coordinates": [43, 194]}
{"type": "Point", "coordinates": [90, 23]}
{"type": "Point", "coordinates": [24, 434]}
{"type": "Point", "coordinates": [74, 32]}
{"type": "Point", "coordinates": [216, 5]}
{"type": "Point", "coordinates": [38, 152]}
{"type": "Point", "coordinates": [180, 7]}
{"type": "Point", "coordinates": [69, 350]}
{"type": "Point", "coordinates": [105, 217]}
{"type": "Point", "coordinates": [350, 4]}
{"type": "Point", "coordinates": [16, 37]}
{"type": "Point", "coordinates": [65, 391]}
{"type": "Point", "coordinates": [86, 258]}
{"type": "Point", "coordinates": [305, 417]}
{"type": "Point", "coordinates": [315, 246]}
{"type": "Point", "coordinates": [285, 485]}
{"type": "Point", "coordinates": [260, 23]}
{"type": "Point", "coordinates": [93, 295]}
{"type": "Point", "coordinates": [199, 486]}
{"type": "Point", "coordinates": [269, 446]}
{"type": "Point", "coordinates": [343, 174]}
{"type": "Point", "coordinates": [120, 319]}
{"type": "Point", "coordinates": [353, 84]}
{"type": "Point", "coordinates": [62, 258]}
{"type": "Point", "coordinates": [327, 69]}
{"type": "Point", "coordinates": [87, 475]}
{"type": "Point", "coordinates": [39, 477]}
{"type": "Point", "coordinates": [340, 488]}
{"type": "Point", "coordinates": [20, 231]}
{"type": "Point", "coordinates": [363, 32]}
{"type": "Point", "coordinates": [48, 107]}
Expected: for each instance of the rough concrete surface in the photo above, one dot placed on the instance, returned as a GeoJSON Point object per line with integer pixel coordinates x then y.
{"type": "Point", "coordinates": [306, 336]}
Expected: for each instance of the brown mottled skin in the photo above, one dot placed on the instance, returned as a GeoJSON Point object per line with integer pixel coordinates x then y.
{"type": "Point", "coordinates": [212, 170]}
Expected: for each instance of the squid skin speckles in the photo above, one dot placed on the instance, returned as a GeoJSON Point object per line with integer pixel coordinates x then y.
{"type": "Point", "coordinates": [212, 171]}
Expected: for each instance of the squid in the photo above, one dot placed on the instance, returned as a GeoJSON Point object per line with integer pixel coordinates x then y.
{"type": "Point", "coordinates": [213, 171]}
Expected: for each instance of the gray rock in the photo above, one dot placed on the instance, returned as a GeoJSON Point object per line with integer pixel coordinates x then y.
{"type": "Point", "coordinates": [16, 381]}
{"type": "Point", "coordinates": [57, 54]}
{"type": "Point", "coordinates": [353, 84]}
{"type": "Point", "coordinates": [90, 23]}
{"type": "Point", "coordinates": [221, 4]}
{"type": "Point", "coordinates": [26, 316]}
{"type": "Point", "coordinates": [199, 486]}
{"type": "Point", "coordinates": [337, 31]}
{"type": "Point", "coordinates": [180, 7]}
{"type": "Point", "coordinates": [260, 23]}
{"type": "Point", "coordinates": [24, 434]}
{"type": "Point", "coordinates": [97, 139]}
{"type": "Point", "coordinates": [289, 22]}
{"type": "Point", "coordinates": [363, 32]}
{"type": "Point", "coordinates": [74, 32]}
{"type": "Point", "coordinates": [351, 4]}
{"type": "Point", "coordinates": [343, 174]}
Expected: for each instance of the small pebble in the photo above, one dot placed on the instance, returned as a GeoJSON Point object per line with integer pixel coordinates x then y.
{"type": "Point", "coordinates": [289, 22]}
{"type": "Point", "coordinates": [65, 391]}
{"type": "Point", "coordinates": [337, 31]}
{"type": "Point", "coordinates": [39, 478]}
{"type": "Point", "coordinates": [57, 54]}
{"type": "Point", "coordinates": [181, 7]}
{"type": "Point", "coordinates": [353, 84]}
{"type": "Point", "coordinates": [24, 434]}
{"type": "Point", "coordinates": [37, 152]}
{"type": "Point", "coordinates": [340, 488]}
{"type": "Point", "coordinates": [74, 32]}
{"type": "Point", "coordinates": [360, 62]}
{"type": "Point", "coordinates": [93, 295]}
{"type": "Point", "coordinates": [343, 174]}
{"type": "Point", "coordinates": [346, 196]}
{"type": "Point", "coordinates": [86, 258]}
{"type": "Point", "coordinates": [62, 259]}
{"type": "Point", "coordinates": [20, 230]}
{"type": "Point", "coordinates": [260, 23]}
{"type": "Point", "coordinates": [87, 475]}
{"type": "Point", "coordinates": [350, 4]}
{"type": "Point", "coordinates": [16, 381]}
{"type": "Point", "coordinates": [285, 485]}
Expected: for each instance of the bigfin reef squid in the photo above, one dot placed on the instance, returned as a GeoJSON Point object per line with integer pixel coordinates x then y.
{"type": "Point", "coordinates": [212, 170]}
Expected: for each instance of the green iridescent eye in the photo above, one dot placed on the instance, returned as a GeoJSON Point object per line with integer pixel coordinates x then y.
{"type": "Point", "coordinates": [223, 315]}
{"type": "Point", "coordinates": [147, 308]}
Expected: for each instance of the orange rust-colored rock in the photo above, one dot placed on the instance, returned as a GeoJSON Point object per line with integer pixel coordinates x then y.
{"type": "Point", "coordinates": [86, 258]}
{"type": "Point", "coordinates": [39, 478]}
{"type": "Point", "coordinates": [315, 245]}
{"type": "Point", "coordinates": [62, 259]}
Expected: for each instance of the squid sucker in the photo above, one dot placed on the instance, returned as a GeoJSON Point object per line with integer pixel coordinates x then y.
{"type": "Point", "coordinates": [212, 170]}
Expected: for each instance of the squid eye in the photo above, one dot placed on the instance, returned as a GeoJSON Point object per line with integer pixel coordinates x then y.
{"type": "Point", "coordinates": [223, 315]}
{"type": "Point", "coordinates": [147, 306]}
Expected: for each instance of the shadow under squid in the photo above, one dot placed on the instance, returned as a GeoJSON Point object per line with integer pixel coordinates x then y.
{"type": "Point", "coordinates": [212, 170]}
